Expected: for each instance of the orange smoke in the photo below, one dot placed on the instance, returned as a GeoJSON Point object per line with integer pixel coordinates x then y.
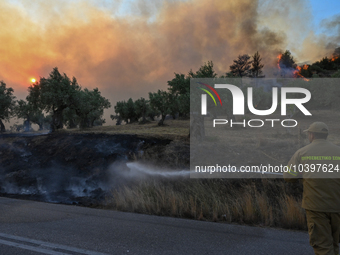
{"type": "Point", "coordinates": [129, 56]}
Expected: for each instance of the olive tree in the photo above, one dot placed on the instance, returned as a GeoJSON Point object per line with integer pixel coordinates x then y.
{"type": "Point", "coordinates": [7, 103]}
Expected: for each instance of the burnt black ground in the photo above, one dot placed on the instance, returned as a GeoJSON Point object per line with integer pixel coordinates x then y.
{"type": "Point", "coordinates": [70, 168]}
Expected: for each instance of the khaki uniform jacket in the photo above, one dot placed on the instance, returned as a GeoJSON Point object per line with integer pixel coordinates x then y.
{"type": "Point", "coordinates": [319, 165]}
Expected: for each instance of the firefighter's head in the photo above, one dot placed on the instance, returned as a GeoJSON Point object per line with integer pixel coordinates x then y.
{"type": "Point", "coordinates": [317, 130]}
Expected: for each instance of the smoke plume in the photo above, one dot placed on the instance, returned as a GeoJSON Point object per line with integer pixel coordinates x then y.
{"type": "Point", "coordinates": [129, 55]}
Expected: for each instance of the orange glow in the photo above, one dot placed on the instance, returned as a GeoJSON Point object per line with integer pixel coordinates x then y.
{"type": "Point", "coordinates": [297, 73]}
{"type": "Point", "coordinates": [33, 80]}
{"type": "Point", "coordinates": [334, 58]}
{"type": "Point", "coordinates": [278, 61]}
{"type": "Point", "coordinates": [305, 67]}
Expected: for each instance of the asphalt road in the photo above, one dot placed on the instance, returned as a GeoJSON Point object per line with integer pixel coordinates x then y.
{"type": "Point", "coordinates": [28, 227]}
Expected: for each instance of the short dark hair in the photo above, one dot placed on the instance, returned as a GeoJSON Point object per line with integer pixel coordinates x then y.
{"type": "Point", "coordinates": [319, 135]}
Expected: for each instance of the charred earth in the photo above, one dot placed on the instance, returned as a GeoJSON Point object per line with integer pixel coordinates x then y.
{"type": "Point", "coordinates": [76, 168]}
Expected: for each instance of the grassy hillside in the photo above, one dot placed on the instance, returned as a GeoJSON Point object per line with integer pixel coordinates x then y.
{"type": "Point", "coordinates": [172, 129]}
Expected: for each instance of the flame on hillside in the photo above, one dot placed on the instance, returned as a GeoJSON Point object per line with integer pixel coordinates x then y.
{"type": "Point", "coordinates": [297, 72]}
{"type": "Point", "coordinates": [279, 57]}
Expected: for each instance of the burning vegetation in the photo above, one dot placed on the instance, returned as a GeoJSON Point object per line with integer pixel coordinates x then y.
{"type": "Point", "coordinates": [327, 67]}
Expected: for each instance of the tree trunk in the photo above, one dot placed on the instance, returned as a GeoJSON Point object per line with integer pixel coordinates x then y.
{"type": "Point", "coordinates": [53, 126]}
{"type": "Point", "coordinates": [2, 127]}
{"type": "Point", "coordinates": [119, 121]}
{"type": "Point", "coordinates": [57, 120]}
{"type": "Point", "coordinates": [59, 123]}
{"type": "Point", "coordinates": [152, 117]}
{"type": "Point", "coordinates": [84, 123]}
{"type": "Point", "coordinates": [27, 125]}
{"type": "Point", "coordinates": [72, 124]}
{"type": "Point", "coordinates": [144, 119]}
{"type": "Point", "coordinates": [161, 122]}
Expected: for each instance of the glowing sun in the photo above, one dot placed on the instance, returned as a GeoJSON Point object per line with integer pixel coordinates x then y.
{"type": "Point", "coordinates": [33, 80]}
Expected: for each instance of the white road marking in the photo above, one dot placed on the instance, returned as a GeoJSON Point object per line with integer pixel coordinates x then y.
{"type": "Point", "coordinates": [31, 248]}
{"type": "Point", "coordinates": [44, 247]}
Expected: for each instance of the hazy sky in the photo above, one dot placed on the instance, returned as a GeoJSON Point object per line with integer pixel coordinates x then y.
{"type": "Point", "coordinates": [128, 48]}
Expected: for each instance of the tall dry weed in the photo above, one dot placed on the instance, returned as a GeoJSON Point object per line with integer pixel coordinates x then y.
{"type": "Point", "coordinates": [293, 215]}
{"type": "Point", "coordinates": [255, 202]}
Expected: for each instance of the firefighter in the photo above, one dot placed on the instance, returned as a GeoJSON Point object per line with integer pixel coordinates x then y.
{"type": "Point", "coordinates": [317, 164]}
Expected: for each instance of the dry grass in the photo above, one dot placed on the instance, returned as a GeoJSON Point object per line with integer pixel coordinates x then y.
{"type": "Point", "coordinates": [293, 215]}
{"type": "Point", "coordinates": [256, 202]}
{"type": "Point", "coordinates": [172, 129]}
{"type": "Point", "coordinates": [260, 202]}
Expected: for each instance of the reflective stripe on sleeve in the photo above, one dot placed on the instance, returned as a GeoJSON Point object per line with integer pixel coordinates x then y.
{"type": "Point", "coordinates": [292, 172]}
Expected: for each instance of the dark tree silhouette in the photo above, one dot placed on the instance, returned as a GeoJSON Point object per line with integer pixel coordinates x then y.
{"type": "Point", "coordinates": [241, 66]}
{"type": "Point", "coordinates": [286, 60]}
{"type": "Point", "coordinates": [256, 69]}
{"type": "Point", "coordinates": [205, 71]}
{"type": "Point", "coordinates": [7, 104]}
